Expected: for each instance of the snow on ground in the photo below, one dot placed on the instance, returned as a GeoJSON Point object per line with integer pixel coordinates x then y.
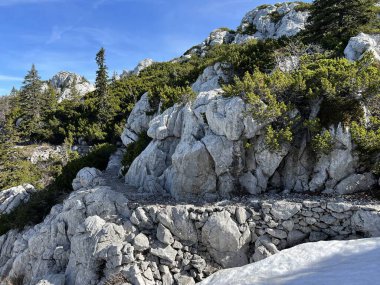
{"type": "Point", "coordinates": [355, 262]}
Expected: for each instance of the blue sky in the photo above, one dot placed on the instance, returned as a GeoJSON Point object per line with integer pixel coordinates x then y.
{"type": "Point", "coordinates": [60, 35]}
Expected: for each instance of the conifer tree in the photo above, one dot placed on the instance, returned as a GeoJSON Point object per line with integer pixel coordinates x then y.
{"type": "Point", "coordinates": [101, 85]}
{"type": "Point", "coordinates": [333, 22]}
{"type": "Point", "coordinates": [30, 102]}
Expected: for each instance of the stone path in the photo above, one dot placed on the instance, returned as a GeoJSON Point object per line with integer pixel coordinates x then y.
{"type": "Point", "coordinates": [117, 183]}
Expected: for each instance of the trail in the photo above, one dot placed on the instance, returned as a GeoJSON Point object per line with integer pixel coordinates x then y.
{"type": "Point", "coordinates": [117, 183]}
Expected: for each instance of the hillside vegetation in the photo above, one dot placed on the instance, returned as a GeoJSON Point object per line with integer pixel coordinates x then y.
{"type": "Point", "coordinates": [33, 115]}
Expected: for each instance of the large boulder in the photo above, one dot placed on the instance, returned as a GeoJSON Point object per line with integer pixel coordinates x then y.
{"type": "Point", "coordinates": [367, 222]}
{"type": "Point", "coordinates": [356, 183]}
{"type": "Point", "coordinates": [192, 171]}
{"type": "Point", "coordinates": [88, 177]}
{"type": "Point", "coordinates": [211, 77]}
{"type": "Point", "coordinates": [227, 245]}
{"type": "Point", "coordinates": [11, 198]}
{"type": "Point", "coordinates": [362, 44]}
{"type": "Point", "coordinates": [75, 239]}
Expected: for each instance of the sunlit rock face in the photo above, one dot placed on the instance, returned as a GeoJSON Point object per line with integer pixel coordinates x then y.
{"type": "Point", "coordinates": [199, 150]}
{"type": "Point", "coordinates": [362, 44]}
{"type": "Point", "coordinates": [69, 85]}
{"type": "Point", "coordinates": [264, 22]}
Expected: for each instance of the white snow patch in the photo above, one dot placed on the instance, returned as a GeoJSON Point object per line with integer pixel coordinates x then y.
{"type": "Point", "coordinates": [354, 262]}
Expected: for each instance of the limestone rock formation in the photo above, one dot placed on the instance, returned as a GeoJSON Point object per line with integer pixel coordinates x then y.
{"type": "Point", "coordinates": [198, 151]}
{"type": "Point", "coordinates": [138, 120]}
{"type": "Point", "coordinates": [362, 44]}
{"type": "Point", "coordinates": [87, 178]}
{"type": "Point", "coordinates": [44, 153]}
{"type": "Point", "coordinates": [273, 21]}
{"type": "Point", "coordinates": [264, 22]}
{"type": "Point", "coordinates": [65, 83]}
{"type": "Point", "coordinates": [140, 67]}
{"type": "Point", "coordinates": [15, 196]}
{"type": "Point", "coordinates": [97, 236]}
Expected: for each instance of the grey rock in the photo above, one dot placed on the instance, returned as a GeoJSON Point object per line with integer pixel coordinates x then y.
{"type": "Point", "coordinates": [54, 279]}
{"type": "Point", "coordinates": [167, 124]}
{"type": "Point", "coordinates": [141, 242]}
{"type": "Point", "coordinates": [356, 183]}
{"type": "Point", "coordinates": [65, 82]}
{"type": "Point", "coordinates": [164, 235]}
{"type": "Point", "coordinates": [224, 240]}
{"type": "Point", "coordinates": [277, 233]}
{"type": "Point", "coordinates": [362, 44]}
{"type": "Point", "coordinates": [141, 219]}
{"type": "Point", "coordinates": [283, 210]}
{"type": "Point", "coordinates": [184, 280]}
{"type": "Point", "coordinates": [177, 220]}
{"type": "Point", "coordinates": [367, 222]}
{"type": "Point", "coordinates": [88, 177]}
{"type": "Point", "coordinates": [192, 174]}
{"type": "Point", "coordinates": [11, 198]}
{"type": "Point", "coordinates": [339, 207]}
{"type": "Point", "coordinates": [138, 120]}
{"type": "Point", "coordinates": [288, 225]}
{"type": "Point", "coordinates": [317, 236]}
{"type": "Point", "coordinates": [295, 237]}
{"type": "Point", "coordinates": [211, 76]}
{"type": "Point", "coordinates": [242, 215]}
{"type": "Point", "coordinates": [165, 252]}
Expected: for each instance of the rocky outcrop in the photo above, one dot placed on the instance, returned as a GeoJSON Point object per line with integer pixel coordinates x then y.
{"type": "Point", "coordinates": [264, 22]}
{"type": "Point", "coordinates": [88, 177]}
{"type": "Point", "coordinates": [138, 120]}
{"type": "Point", "coordinates": [362, 44]}
{"type": "Point", "coordinates": [272, 21]}
{"type": "Point", "coordinates": [11, 198]}
{"type": "Point", "coordinates": [140, 67]}
{"type": "Point", "coordinates": [66, 83]}
{"type": "Point", "coordinates": [98, 235]}
{"type": "Point", "coordinates": [46, 153]}
{"type": "Point", "coordinates": [212, 147]}
{"type": "Point", "coordinates": [333, 262]}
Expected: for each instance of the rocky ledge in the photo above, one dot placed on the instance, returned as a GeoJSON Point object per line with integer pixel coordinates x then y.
{"type": "Point", "coordinates": [98, 236]}
{"type": "Point", "coordinates": [199, 151]}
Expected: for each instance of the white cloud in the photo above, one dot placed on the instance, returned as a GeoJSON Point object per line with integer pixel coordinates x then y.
{"type": "Point", "coordinates": [57, 33]}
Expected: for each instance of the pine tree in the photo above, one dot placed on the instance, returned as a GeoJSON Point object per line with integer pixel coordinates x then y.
{"type": "Point", "coordinates": [30, 102]}
{"type": "Point", "coordinates": [101, 85]}
{"type": "Point", "coordinates": [333, 22]}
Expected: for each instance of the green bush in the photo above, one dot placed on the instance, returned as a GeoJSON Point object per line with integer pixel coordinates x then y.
{"type": "Point", "coordinates": [275, 17]}
{"type": "Point", "coordinates": [40, 203]}
{"type": "Point", "coordinates": [245, 58]}
{"type": "Point", "coordinates": [275, 138]}
{"type": "Point", "coordinates": [322, 143]}
{"type": "Point", "coordinates": [302, 7]}
{"type": "Point", "coordinates": [168, 96]}
{"type": "Point", "coordinates": [249, 29]}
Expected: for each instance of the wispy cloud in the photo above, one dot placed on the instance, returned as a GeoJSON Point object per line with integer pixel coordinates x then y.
{"type": "Point", "coordinates": [10, 78]}
{"type": "Point", "coordinates": [57, 33]}
{"type": "Point", "coordinates": [18, 2]}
